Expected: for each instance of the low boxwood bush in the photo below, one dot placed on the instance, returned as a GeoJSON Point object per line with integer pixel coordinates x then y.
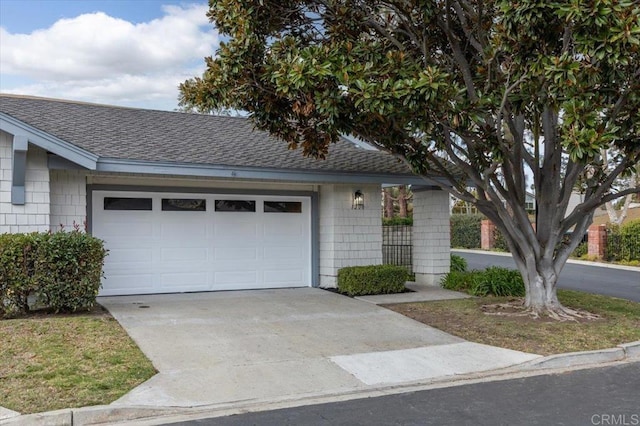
{"type": "Point", "coordinates": [60, 271]}
{"type": "Point", "coordinates": [458, 263]}
{"type": "Point", "coordinates": [493, 281]}
{"type": "Point", "coordinates": [372, 279]}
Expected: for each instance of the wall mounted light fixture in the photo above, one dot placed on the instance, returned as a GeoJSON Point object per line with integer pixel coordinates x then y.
{"type": "Point", "coordinates": [358, 200]}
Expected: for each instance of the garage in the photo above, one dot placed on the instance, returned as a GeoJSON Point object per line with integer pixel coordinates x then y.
{"type": "Point", "coordinates": [162, 242]}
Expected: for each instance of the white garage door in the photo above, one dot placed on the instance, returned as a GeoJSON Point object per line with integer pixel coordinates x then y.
{"type": "Point", "coordinates": [177, 242]}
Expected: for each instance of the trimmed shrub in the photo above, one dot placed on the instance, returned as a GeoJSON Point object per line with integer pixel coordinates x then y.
{"type": "Point", "coordinates": [465, 230]}
{"type": "Point", "coordinates": [458, 263]}
{"type": "Point", "coordinates": [75, 262]}
{"type": "Point", "coordinates": [17, 272]}
{"type": "Point", "coordinates": [623, 243]}
{"type": "Point", "coordinates": [61, 270]}
{"type": "Point", "coordinates": [372, 279]}
{"type": "Point", "coordinates": [497, 281]}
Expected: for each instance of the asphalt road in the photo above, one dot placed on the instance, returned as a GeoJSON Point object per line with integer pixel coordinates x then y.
{"type": "Point", "coordinates": [592, 279]}
{"type": "Point", "coordinates": [601, 396]}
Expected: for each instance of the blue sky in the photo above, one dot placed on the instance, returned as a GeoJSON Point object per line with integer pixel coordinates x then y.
{"type": "Point", "coordinates": [120, 52]}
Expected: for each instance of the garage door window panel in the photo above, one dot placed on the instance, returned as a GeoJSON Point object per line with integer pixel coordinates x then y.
{"type": "Point", "coordinates": [128, 203]}
{"type": "Point", "coordinates": [184, 205]}
{"type": "Point", "coordinates": [236, 206]}
{"type": "Point", "coordinates": [282, 207]}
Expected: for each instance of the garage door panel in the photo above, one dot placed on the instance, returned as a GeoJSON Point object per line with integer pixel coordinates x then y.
{"type": "Point", "coordinates": [127, 228]}
{"type": "Point", "coordinates": [128, 283]}
{"type": "Point", "coordinates": [235, 278]}
{"type": "Point", "coordinates": [234, 229]}
{"type": "Point", "coordinates": [235, 254]}
{"type": "Point", "coordinates": [179, 232]}
{"type": "Point", "coordinates": [280, 254]}
{"type": "Point", "coordinates": [283, 229]}
{"type": "Point", "coordinates": [181, 254]}
{"type": "Point", "coordinates": [130, 255]}
{"type": "Point", "coordinates": [289, 277]}
{"type": "Point", "coordinates": [194, 281]}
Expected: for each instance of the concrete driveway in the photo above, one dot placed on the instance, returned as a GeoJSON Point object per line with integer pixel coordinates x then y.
{"type": "Point", "coordinates": [276, 345]}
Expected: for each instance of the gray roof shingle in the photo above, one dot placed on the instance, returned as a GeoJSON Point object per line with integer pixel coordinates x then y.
{"type": "Point", "coordinates": [175, 137]}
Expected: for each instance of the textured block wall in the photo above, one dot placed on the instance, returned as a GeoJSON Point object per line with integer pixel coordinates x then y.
{"type": "Point", "coordinates": [431, 236]}
{"type": "Point", "coordinates": [348, 237]}
{"type": "Point", "coordinates": [68, 199]}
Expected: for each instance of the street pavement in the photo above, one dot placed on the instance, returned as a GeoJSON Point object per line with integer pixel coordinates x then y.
{"type": "Point", "coordinates": [599, 396]}
{"type": "Point", "coordinates": [624, 284]}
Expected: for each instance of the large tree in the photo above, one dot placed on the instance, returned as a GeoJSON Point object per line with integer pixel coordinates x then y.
{"type": "Point", "coordinates": [482, 93]}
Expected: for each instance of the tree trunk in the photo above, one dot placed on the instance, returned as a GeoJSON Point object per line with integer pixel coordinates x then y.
{"type": "Point", "coordinates": [542, 291]}
{"type": "Point", "coordinates": [402, 201]}
{"type": "Point", "coordinates": [388, 203]}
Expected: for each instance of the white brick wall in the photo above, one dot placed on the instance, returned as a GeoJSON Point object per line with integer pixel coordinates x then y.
{"type": "Point", "coordinates": [34, 214]}
{"type": "Point", "coordinates": [431, 236]}
{"type": "Point", "coordinates": [68, 199]}
{"type": "Point", "coordinates": [348, 237]}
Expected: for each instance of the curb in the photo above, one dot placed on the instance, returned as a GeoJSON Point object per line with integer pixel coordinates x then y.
{"type": "Point", "coordinates": [107, 414]}
{"type": "Point", "coordinates": [573, 261]}
{"type": "Point", "coordinates": [624, 352]}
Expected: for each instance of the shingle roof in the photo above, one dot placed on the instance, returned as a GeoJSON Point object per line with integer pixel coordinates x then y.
{"type": "Point", "coordinates": [175, 137]}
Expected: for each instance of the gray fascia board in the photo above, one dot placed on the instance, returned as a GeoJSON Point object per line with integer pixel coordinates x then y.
{"type": "Point", "coordinates": [49, 142]}
{"type": "Point", "coordinates": [232, 172]}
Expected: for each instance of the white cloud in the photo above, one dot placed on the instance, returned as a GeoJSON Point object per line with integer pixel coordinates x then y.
{"type": "Point", "coordinates": [95, 57]}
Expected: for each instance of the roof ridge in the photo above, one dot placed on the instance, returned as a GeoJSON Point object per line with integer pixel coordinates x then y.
{"type": "Point", "coordinates": [110, 106]}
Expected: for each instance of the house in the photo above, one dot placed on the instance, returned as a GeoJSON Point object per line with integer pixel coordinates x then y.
{"type": "Point", "coordinates": [189, 202]}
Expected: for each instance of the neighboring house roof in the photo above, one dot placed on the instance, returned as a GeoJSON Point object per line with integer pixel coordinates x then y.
{"type": "Point", "coordinates": [121, 139]}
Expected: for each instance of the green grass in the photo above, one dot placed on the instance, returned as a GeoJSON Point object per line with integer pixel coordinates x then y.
{"type": "Point", "coordinates": [53, 362]}
{"type": "Point", "coordinates": [619, 323]}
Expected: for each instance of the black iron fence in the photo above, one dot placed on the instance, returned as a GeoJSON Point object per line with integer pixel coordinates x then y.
{"type": "Point", "coordinates": [396, 246]}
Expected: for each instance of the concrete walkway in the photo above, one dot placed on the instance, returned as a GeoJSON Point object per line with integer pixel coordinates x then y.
{"type": "Point", "coordinates": [275, 345]}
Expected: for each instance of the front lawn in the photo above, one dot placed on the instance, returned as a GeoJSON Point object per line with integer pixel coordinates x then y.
{"type": "Point", "coordinates": [619, 323]}
{"type": "Point", "coordinates": [49, 362]}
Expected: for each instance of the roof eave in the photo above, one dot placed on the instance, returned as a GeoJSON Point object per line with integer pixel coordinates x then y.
{"type": "Point", "coordinates": [48, 142]}
{"type": "Point", "coordinates": [251, 173]}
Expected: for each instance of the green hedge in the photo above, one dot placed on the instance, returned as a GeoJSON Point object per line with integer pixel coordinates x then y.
{"type": "Point", "coordinates": [60, 271]}
{"type": "Point", "coordinates": [373, 279]}
{"type": "Point", "coordinates": [494, 281]}
{"type": "Point", "coordinates": [465, 230]}
{"type": "Point", "coordinates": [397, 221]}
{"type": "Point", "coordinates": [623, 243]}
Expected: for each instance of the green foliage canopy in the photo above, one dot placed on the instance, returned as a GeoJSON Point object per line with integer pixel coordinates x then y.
{"type": "Point", "coordinates": [481, 94]}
